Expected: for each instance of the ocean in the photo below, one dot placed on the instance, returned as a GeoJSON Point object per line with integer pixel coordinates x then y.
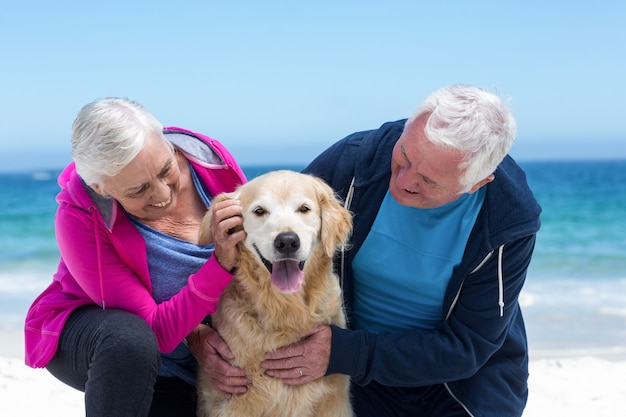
{"type": "Point", "coordinates": [574, 299]}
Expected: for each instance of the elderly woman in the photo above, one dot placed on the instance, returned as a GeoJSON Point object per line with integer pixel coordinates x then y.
{"type": "Point", "coordinates": [124, 310]}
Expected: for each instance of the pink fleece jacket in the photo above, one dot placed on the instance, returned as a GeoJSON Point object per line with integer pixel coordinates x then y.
{"type": "Point", "coordinates": [103, 259]}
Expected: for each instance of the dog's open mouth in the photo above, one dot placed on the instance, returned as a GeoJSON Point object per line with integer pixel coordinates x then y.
{"type": "Point", "coordinates": [287, 274]}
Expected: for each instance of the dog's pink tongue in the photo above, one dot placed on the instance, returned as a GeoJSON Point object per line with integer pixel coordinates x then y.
{"type": "Point", "coordinates": [287, 276]}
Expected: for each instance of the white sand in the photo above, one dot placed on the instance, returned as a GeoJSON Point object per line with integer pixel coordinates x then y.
{"type": "Point", "coordinates": [571, 386]}
{"type": "Point", "coordinates": [26, 392]}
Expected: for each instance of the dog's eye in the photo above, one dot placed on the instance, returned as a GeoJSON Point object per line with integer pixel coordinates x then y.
{"type": "Point", "coordinates": [259, 211]}
{"type": "Point", "coordinates": [304, 208]}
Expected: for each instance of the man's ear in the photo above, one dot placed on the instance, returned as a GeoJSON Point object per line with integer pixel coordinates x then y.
{"type": "Point", "coordinates": [485, 181]}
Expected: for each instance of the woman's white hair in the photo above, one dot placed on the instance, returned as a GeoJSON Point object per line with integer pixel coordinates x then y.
{"type": "Point", "coordinates": [477, 123]}
{"type": "Point", "coordinates": [109, 133]}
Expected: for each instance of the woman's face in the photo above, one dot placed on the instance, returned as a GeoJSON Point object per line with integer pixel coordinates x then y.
{"type": "Point", "coordinates": [148, 186]}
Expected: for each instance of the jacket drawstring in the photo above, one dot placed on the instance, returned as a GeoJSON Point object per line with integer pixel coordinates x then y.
{"type": "Point", "coordinates": [96, 233]}
{"type": "Point", "coordinates": [500, 281]}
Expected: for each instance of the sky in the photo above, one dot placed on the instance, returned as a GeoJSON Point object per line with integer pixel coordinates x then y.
{"type": "Point", "coordinates": [279, 81]}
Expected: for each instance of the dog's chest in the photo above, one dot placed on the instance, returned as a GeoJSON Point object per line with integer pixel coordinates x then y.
{"type": "Point", "coordinates": [253, 327]}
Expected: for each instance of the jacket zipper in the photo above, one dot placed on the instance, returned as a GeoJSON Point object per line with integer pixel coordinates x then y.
{"type": "Point", "coordinates": [500, 304]}
{"type": "Point", "coordinates": [94, 217]}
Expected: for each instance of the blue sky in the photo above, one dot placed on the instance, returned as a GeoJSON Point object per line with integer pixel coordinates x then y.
{"type": "Point", "coordinates": [279, 81]}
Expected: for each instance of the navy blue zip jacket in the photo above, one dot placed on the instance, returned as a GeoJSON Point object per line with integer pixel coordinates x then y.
{"type": "Point", "coordinates": [480, 351]}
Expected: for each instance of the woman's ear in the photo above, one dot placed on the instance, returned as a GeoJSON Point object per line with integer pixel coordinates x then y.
{"type": "Point", "coordinates": [98, 189]}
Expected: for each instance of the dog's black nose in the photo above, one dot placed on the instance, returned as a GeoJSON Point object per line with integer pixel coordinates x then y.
{"type": "Point", "coordinates": [287, 243]}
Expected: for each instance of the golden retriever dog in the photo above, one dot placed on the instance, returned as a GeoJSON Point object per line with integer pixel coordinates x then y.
{"type": "Point", "coordinates": [284, 287]}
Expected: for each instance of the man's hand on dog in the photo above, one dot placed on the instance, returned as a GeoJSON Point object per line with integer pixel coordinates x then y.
{"type": "Point", "coordinates": [295, 364]}
{"type": "Point", "coordinates": [303, 361]}
{"type": "Point", "coordinates": [213, 354]}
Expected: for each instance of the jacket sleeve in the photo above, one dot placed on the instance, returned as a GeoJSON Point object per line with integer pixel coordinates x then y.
{"type": "Point", "coordinates": [108, 268]}
{"type": "Point", "coordinates": [455, 350]}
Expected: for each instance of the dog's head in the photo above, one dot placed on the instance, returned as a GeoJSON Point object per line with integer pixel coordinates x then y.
{"type": "Point", "coordinates": [289, 218]}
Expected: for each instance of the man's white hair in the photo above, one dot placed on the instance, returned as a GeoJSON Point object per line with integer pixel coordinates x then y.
{"type": "Point", "coordinates": [477, 123]}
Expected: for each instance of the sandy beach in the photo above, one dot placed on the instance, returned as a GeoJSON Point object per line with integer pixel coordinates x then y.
{"type": "Point", "coordinates": [572, 385]}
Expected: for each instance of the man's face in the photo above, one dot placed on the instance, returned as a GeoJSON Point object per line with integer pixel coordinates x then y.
{"type": "Point", "coordinates": [424, 175]}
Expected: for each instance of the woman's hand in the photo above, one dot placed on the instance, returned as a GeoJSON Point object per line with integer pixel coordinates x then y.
{"type": "Point", "coordinates": [303, 361]}
{"type": "Point", "coordinates": [227, 229]}
{"type": "Point", "coordinates": [213, 354]}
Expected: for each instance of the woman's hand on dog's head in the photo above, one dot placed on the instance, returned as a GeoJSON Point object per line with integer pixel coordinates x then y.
{"type": "Point", "coordinates": [225, 230]}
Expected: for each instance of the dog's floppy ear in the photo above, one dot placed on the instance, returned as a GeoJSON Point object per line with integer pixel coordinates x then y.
{"type": "Point", "coordinates": [205, 236]}
{"type": "Point", "coordinates": [336, 219]}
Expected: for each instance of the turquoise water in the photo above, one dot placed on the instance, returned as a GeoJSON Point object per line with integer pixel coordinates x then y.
{"type": "Point", "coordinates": [575, 295]}
{"type": "Point", "coordinates": [584, 218]}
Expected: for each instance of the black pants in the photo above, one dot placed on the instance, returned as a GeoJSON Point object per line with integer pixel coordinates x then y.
{"type": "Point", "coordinates": [113, 357]}
{"type": "Point", "coordinates": [375, 400]}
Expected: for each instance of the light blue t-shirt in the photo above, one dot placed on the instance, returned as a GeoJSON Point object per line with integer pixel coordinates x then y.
{"type": "Point", "coordinates": [171, 261]}
{"type": "Point", "coordinates": [405, 264]}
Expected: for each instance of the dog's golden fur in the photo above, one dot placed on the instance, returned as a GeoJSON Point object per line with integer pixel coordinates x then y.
{"type": "Point", "coordinates": [256, 315]}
